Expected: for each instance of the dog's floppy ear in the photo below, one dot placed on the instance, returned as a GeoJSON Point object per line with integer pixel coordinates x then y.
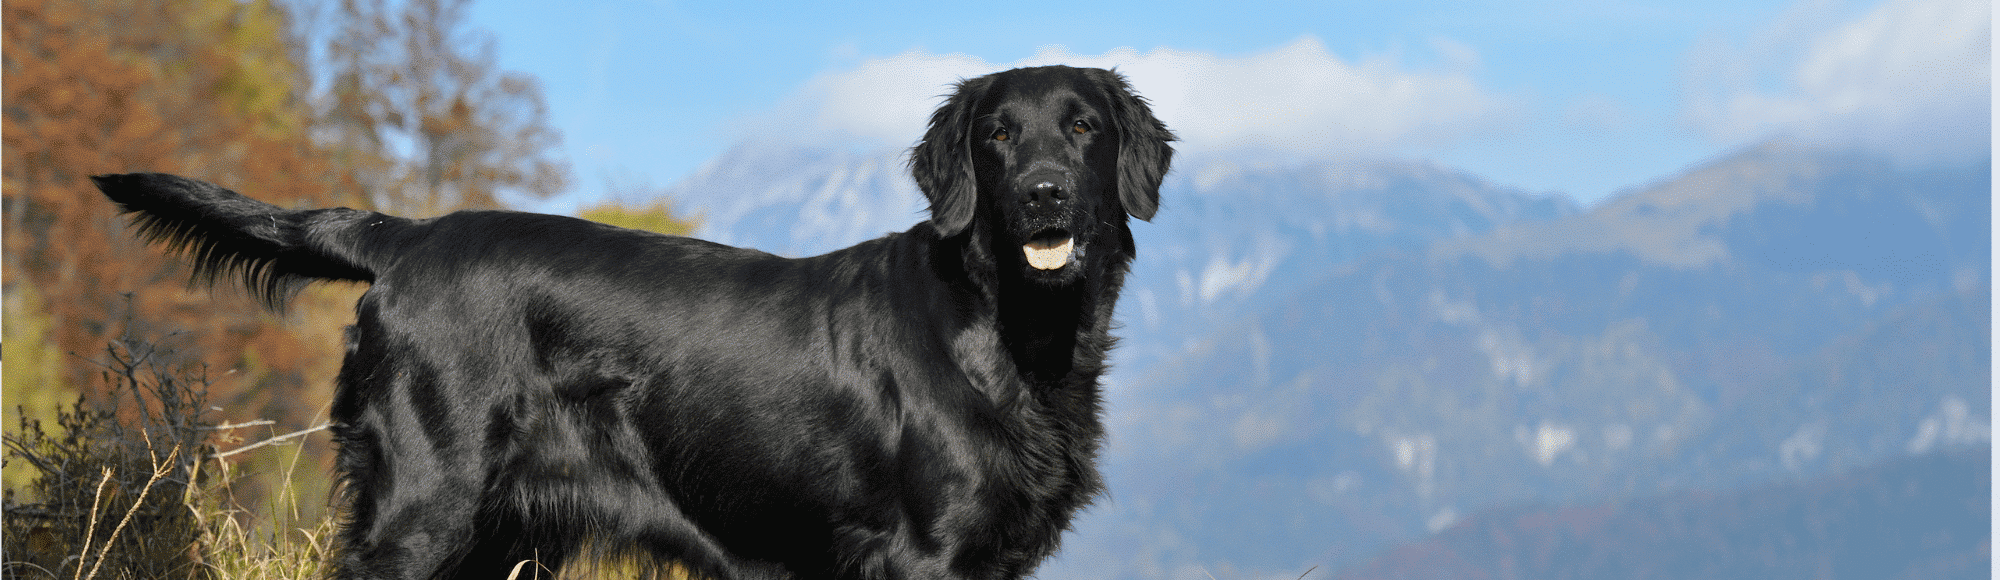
{"type": "Point", "coordinates": [942, 163]}
{"type": "Point", "coordinates": [1143, 152]}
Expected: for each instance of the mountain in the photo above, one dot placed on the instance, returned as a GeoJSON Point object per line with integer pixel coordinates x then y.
{"type": "Point", "coordinates": [1720, 329]}
{"type": "Point", "coordinates": [1234, 235]}
{"type": "Point", "coordinates": [1321, 360]}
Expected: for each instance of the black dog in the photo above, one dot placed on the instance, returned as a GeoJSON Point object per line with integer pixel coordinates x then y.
{"type": "Point", "coordinates": [923, 405]}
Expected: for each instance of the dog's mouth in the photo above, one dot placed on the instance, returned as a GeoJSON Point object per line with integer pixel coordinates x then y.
{"type": "Point", "coordinates": [1049, 249]}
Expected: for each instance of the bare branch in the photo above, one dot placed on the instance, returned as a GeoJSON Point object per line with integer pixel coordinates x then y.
{"type": "Point", "coordinates": [255, 423]}
{"type": "Point", "coordinates": [272, 441]}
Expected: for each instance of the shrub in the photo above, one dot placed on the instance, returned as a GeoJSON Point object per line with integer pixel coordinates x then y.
{"type": "Point", "coordinates": [110, 496]}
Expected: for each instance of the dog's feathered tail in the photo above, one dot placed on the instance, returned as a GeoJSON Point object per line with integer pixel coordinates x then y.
{"type": "Point", "coordinates": [273, 252]}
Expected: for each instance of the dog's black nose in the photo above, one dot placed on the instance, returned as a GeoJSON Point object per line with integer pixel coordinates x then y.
{"type": "Point", "coordinates": [1046, 193]}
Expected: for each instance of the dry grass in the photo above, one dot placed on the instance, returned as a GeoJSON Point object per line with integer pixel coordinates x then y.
{"type": "Point", "coordinates": [276, 543]}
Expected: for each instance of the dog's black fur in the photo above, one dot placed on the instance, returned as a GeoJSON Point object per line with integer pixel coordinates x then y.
{"type": "Point", "coordinates": [923, 405]}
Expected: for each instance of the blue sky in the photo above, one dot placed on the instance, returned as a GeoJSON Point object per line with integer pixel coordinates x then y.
{"type": "Point", "coordinates": [1581, 97]}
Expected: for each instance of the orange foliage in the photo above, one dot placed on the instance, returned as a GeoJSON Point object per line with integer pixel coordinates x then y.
{"type": "Point", "coordinates": [200, 88]}
{"type": "Point", "coordinates": [218, 90]}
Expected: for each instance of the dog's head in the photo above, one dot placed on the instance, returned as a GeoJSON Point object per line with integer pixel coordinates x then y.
{"type": "Point", "coordinates": [1048, 160]}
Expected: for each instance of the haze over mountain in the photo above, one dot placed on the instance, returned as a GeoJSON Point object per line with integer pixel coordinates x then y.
{"type": "Point", "coordinates": [1924, 517]}
{"type": "Point", "coordinates": [1323, 358]}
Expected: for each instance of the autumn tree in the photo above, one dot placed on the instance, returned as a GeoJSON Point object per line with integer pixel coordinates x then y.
{"type": "Point", "coordinates": [402, 110]}
{"type": "Point", "coordinates": [198, 87]}
{"type": "Point", "coordinates": [410, 83]}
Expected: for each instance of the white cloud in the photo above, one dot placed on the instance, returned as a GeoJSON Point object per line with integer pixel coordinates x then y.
{"type": "Point", "coordinates": [1910, 77]}
{"type": "Point", "coordinates": [1296, 98]}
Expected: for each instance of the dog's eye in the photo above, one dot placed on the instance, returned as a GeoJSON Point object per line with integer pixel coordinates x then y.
{"type": "Point", "coordinates": [1080, 127]}
{"type": "Point", "coordinates": [1000, 135]}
